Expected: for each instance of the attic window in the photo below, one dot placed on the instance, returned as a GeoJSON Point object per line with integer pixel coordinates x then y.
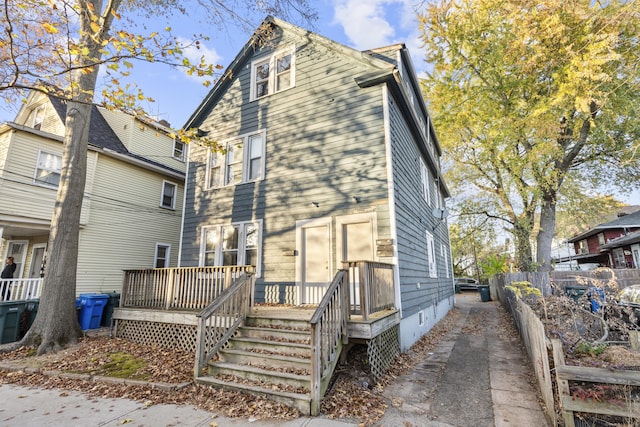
{"type": "Point", "coordinates": [273, 74]}
{"type": "Point", "coordinates": [38, 117]}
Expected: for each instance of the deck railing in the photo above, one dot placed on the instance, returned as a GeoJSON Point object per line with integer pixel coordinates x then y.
{"type": "Point", "coordinates": [370, 287]}
{"type": "Point", "coordinates": [328, 335]}
{"type": "Point", "coordinates": [220, 319]}
{"type": "Point", "coordinates": [20, 289]}
{"type": "Point", "coordinates": [185, 288]}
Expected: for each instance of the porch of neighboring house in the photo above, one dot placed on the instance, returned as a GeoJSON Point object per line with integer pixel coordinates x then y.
{"type": "Point", "coordinates": [212, 312]}
{"type": "Point", "coordinates": [19, 289]}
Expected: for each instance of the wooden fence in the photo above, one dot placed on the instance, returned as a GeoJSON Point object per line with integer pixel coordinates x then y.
{"type": "Point", "coordinates": [547, 281]}
{"type": "Point", "coordinates": [569, 404]}
{"type": "Point", "coordinates": [538, 347]}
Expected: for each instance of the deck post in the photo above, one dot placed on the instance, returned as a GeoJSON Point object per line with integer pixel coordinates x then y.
{"type": "Point", "coordinates": [365, 278]}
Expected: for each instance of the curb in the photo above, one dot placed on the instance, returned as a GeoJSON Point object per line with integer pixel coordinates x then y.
{"type": "Point", "coordinates": [10, 367]}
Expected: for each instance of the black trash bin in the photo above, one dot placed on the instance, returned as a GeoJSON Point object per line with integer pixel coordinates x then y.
{"type": "Point", "coordinates": [485, 293]}
{"type": "Point", "coordinates": [28, 315]}
{"type": "Point", "coordinates": [575, 291]}
{"type": "Point", "coordinates": [112, 302]}
{"type": "Point", "coordinates": [10, 313]}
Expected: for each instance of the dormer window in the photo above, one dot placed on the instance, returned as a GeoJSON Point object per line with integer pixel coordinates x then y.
{"type": "Point", "coordinates": [38, 117]}
{"type": "Point", "coordinates": [273, 74]}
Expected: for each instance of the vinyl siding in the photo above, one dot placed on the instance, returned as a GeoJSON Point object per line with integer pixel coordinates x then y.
{"type": "Point", "coordinates": [142, 139]}
{"type": "Point", "coordinates": [18, 191]}
{"type": "Point", "coordinates": [5, 142]}
{"type": "Point", "coordinates": [51, 123]}
{"type": "Point", "coordinates": [125, 224]}
{"type": "Point", "coordinates": [324, 144]}
{"type": "Point", "coordinates": [414, 219]}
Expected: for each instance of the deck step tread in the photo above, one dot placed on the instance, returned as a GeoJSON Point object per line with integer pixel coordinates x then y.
{"type": "Point", "coordinates": [212, 380]}
{"type": "Point", "coordinates": [255, 369]}
{"type": "Point", "coordinates": [265, 341]}
{"type": "Point", "coordinates": [266, 355]}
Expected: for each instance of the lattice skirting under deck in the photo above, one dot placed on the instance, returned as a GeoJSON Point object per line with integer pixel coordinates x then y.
{"type": "Point", "coordinates": [383, 350]}
{"type": "Point", "coordinates": [169, 335]}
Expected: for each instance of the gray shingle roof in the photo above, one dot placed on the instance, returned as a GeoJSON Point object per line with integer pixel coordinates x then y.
{"type": "Point", "coordinates": [100, 133]}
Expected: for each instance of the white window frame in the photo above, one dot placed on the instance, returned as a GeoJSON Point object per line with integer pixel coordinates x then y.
{"type": "Point", "coordinates": [273, 75]}
{"type": "Point", "coordinates": [431, 255]}
{"type": "Point", "coordinates": [426, 182]}
{"type": "Point", "coordinates": [218, 250]}
{"type": "Point", "coordinates": [445, 257]}
{"type": "Point", "coordinates": [181, 151]}
{"type": "Point", "coordinates": [245, 161]}
{"type": "Point", "coordinates": [173, 199]}
{"type": "Point", "coordinates": [40, 166]}
{"type": "Point", "coordinates": [37, 124]}
{"type": "Point", "coordinates": [167, 258]}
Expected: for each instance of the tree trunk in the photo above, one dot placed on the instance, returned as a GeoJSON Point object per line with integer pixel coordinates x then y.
{"type": "Point", "coordinates": [522, 240]}
{"type": "Point", "coordinates": [545, 235]}
{"type": "Point", "coordinates": [56, 324]}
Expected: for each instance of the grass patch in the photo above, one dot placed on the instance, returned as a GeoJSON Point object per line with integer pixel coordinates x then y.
{"type": "Point", "coordinates": [122, 365]}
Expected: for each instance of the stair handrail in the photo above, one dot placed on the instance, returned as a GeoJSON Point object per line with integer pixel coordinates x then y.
{"type": "Point", "coordinates": [219, 320]}
{"type": "Point", "coordinates": [328, 335]}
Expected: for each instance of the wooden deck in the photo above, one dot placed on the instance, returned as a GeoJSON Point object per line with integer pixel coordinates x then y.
{"type": "Point", "coordinates": [358, 328]}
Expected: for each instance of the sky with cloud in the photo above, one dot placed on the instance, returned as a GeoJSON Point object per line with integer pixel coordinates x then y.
{"type": "Point", "coordinates": [360, 24]}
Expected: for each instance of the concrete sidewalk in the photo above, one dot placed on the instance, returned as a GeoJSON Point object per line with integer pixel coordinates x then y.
{"type": "Point", "coordinates": [476, 376]}
{"type": "Point", "coordinates": [31, 407]}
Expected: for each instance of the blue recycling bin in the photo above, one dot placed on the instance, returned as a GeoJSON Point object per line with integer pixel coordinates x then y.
{"type": "Point", "coordinates": [90, 308]}
{"type": "Point", "coordinates": [597, 298]}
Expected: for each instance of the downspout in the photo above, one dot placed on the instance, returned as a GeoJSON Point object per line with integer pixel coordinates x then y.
{"type": "Point", "coordinates": [184, 202]}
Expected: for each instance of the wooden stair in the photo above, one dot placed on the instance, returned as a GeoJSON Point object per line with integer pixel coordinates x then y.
{"type": "Point", "coordinates": [270, 356]}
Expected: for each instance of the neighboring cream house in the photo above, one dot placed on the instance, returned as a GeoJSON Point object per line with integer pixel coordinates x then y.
{"type": "Point", "coordinates": [132, 209]}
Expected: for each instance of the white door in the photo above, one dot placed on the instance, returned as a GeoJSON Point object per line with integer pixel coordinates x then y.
{"type": "Point", "coordinates": [356, 242]}
{"type": "Point", "coordinates": [36, 261]}
{"type": "Point", "coordinates": [314, 264]}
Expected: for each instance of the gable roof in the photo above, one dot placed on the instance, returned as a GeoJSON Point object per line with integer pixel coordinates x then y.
{"type": "Point", "coordinates": [629, 221]}
{"type": "Point", "coordinates": [103, 138]}
{"type": "Point", "coordinates": [249, 48]}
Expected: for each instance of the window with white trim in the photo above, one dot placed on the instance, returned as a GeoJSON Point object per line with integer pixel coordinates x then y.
{"type": "Point", "coordinates": [178, 150]}
{"type": "Point", "coordinates": [242, 161]}
{"type": "Point", "coordinates": [168, 199]}
{"type": "Point", "coordinates": [431, 255]}
{"type": "Point", "coordinates": [38, 117]}
{"type": "Point", "coordinates": [445, 256]}
{"type": "Point", "coordinates": [232, 244]}
{"type": "Point", "coordinates": [426, 183]}
{"type": "Point", "coordinates": [48, 169]}
{"type": "Point", "coordinates": [273, 74]}
{"type": "Point", "coordinates": [162, 255]}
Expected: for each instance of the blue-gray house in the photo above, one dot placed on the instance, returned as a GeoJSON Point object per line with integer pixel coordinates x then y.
{"type": "Point", "coordinates": [328, 183]}
{"type": "Point", "coordinates": [329, 156]}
